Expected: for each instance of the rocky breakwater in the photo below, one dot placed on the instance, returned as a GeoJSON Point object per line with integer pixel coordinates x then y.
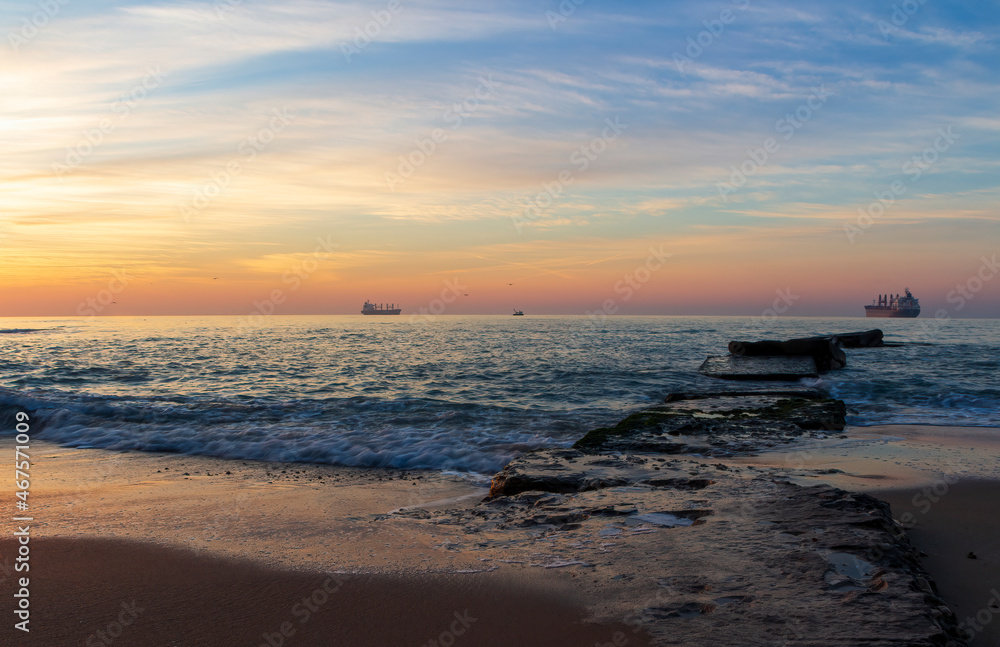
{"type": "Point", "coordinates": [790, 360]}
{"type": "Point", "coordinates": [697, 550]}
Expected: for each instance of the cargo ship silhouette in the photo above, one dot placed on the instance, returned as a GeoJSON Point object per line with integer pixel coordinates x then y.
{"type": "Point", "coordinates": [888, 305]}
{"type": "Point", "coordinates": [372, 309]}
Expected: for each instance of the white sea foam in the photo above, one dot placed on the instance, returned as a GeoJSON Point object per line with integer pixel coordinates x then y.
{"type": "Point", "coordinates": [456, 393]}
{"type": "Point", "coordinates": [342, 433]}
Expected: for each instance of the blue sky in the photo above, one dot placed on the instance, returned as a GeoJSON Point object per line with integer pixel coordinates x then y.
{"type": "Point", "coordinates": [895, 80]}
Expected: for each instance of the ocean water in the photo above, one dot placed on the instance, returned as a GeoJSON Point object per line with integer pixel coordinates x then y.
{"type": "Point", "coordinates": [461, 393]}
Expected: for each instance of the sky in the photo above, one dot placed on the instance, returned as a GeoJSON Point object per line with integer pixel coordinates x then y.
{"type": "Point", "coordinates": [236, 156]}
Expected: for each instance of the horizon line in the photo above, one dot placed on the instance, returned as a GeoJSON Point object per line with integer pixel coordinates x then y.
{"type": "Point", "coordinates": [447, 314]}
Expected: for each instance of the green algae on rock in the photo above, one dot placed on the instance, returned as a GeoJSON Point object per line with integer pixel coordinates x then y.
{"type": "Point", "coordinates": [720, 423]}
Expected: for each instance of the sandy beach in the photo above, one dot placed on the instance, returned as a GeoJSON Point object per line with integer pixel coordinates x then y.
{"type": "Point", "coordinates": [958, 531]}
{"type": "Point", "coordinates": [377, 323]}
{"type": "Point", "coordinates": [943, 484]}
{"type": "Point", "coordinates": [216, 552]}
{"type": "Point", "coordinates": [99, 591]}
{"type": "Point", "coordinates": [220, 552]}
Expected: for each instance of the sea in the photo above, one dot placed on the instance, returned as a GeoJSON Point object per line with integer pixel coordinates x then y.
{"type": "Point", "coordinates": [454, 393]}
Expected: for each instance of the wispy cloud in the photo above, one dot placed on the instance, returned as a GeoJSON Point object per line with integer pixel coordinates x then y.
{"type": "Point", "coordinates": [80, 89]}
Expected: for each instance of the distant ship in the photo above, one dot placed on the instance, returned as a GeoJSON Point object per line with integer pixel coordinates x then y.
{"type": "Point", "coordinates": [888, 305]}
{"type": "Point", "coordinates": [381, 309]}
{"type": "Point", "coordinates": [518, 313]}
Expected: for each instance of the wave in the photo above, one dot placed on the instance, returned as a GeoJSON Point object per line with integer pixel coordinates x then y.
{"type": "Point", "coordinates": [462, 394]}
{"type": "Point", "coordinates": [921, 407]}
{"type": "Point", "coordinates": [357, 431]}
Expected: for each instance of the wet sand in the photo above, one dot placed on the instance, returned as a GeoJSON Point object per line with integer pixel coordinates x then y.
{"type": "Point", "coordinates": [943, 484]}
{"type": "Point", "coordinates": [144, 594]}
{"type": "Point", "coordinates": [219, 553]}
{"type": "Point", "coordinates": [947, 522]}
{"type": "Point", "coordinates": [869, 459]}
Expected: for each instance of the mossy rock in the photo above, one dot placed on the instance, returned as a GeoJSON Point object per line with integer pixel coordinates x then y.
{"type": "Point", "coordinates": [644, 427]}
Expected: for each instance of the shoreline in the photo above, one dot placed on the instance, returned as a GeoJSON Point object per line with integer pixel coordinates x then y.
{"type": "Point", "coordinates": [102, 518]}
{"type": "Point", "coordinates": [950, 522]}
{"type": "Point", "coordinates": [880, 457]}
{"type": "Point", "coordinates": [275, 512]}
{"type": "Point", "coordinates": [943, 484]}
{"type": "Point", "coordinates": [406, 524]}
